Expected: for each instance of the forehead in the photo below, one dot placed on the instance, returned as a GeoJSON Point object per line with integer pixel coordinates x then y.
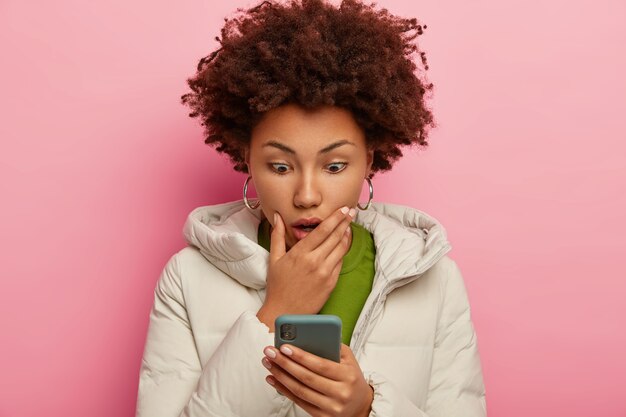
{"type": "Point", "coordinates": [307, 130]}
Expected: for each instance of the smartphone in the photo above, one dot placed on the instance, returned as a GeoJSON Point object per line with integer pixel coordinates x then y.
{"type": "Point", "coordinates": [319, 334]}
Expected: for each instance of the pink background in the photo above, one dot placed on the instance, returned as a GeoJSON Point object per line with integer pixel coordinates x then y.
{"type": "Point", "coordinates": [100, 166]}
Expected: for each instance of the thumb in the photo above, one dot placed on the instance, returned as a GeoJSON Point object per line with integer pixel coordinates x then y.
{"type": "Point", "coordinates": [277, 241]}
{"type": "Point", "coordinates": [346, 353]}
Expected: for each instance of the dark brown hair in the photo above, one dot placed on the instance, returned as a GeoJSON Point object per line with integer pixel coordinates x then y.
{"type": "Point", "coordinates": [312, 53]}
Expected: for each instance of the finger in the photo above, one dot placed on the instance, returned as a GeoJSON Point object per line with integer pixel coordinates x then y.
{"type": "Point", "coordinates": [305, 376]}
{"type": "Point", "coordinates": [277, 240]}
{"type": "Point", "coordinates": [334, 237]}
{"type": "Point", "coordinates": [337, 269]}
{"type": "Point", "coordinates": [325, 228]}
{"type": "Point", "coordinates": [297, 387]}
{"type": "Point", "coordinates": [301, 363]}
{"type": "Point", "coordinates": [336, 246]}
{"type": "Point", "coordinates": [334, 274]}
{"type": "Point", "coordinates": [346, 354]}
{"type": "Point", "coordinates": [308, 407]}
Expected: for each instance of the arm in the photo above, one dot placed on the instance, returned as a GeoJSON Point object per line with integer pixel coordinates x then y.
{"type": "Point", "coordinates": [173, 382]}
{"type": "Point", "coordinates": [456, 384]}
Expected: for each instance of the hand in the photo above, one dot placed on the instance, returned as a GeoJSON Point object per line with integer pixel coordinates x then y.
{"type": "Point", "coordinates": [300, 281]}
{"type": "Point", "coordinates": [321, 387]}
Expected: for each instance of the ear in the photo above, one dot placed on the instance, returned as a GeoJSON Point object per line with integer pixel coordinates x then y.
{"type": "Point", "coordinates": [370, 160]}
{"type": "Point", "coordinates": [246, 156]}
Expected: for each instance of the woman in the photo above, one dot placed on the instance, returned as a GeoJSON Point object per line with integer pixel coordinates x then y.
{"type": "Point", "coordinates": [311, 100]}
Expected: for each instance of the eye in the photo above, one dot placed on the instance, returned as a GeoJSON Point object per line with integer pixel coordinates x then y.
{"type": "Point", "coordinates": [336, 167]}
{"type": "Point", "coordinates": [279, 168]}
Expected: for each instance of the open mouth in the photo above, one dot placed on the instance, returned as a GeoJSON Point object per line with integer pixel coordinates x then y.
{"type": "Point", "coordinates": [307, 227]}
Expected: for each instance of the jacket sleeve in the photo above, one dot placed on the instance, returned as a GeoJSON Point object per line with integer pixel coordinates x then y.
{"type": "Point", "coordinates": [456, 384]}
{"type": "Point", "coordinates": [173, 382]}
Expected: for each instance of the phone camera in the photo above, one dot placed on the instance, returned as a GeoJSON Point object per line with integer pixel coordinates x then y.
{"type": "Point", "coordinates": [288, 332]}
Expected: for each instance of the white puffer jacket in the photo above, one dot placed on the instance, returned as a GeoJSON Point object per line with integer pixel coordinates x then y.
{"type": "Point", "coordinates": [414, 339]}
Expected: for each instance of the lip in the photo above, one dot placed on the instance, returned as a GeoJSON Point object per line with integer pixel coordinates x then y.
{"type": "Point", "coordinates": [300, 234]}
{"type": "Point", "coordinates": [309, 220]}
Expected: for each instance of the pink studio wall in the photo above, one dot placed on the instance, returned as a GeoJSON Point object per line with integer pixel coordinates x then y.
{"type": "Point", "coordinates": [100, 166]}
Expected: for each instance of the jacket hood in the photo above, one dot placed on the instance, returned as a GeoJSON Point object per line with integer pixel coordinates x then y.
{"type": "Point", "coordinates": [407, 241]}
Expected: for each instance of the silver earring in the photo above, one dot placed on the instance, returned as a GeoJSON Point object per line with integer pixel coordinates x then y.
{"type": "Point", "coordinates": [245, 197]}
{"type": "Point", "coordinates": [369, 181]}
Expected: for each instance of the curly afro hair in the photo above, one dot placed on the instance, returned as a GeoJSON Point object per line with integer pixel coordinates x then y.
{"type": "Point", "coordinates": [312, 53]}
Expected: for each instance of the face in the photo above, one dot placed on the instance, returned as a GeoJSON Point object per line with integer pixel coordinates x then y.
{"type": "Point", "coordinates": [307, 163]}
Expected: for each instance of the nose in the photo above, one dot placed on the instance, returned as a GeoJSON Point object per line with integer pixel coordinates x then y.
{"type": "Point", "coordinates": [307, 193]}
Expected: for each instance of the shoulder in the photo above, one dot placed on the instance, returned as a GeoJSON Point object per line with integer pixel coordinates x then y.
{"type": "Point", "coordinates": [454, 299]}
{"type": "Point", "coordinates": [430, 287]}
{"type": "Point", "coordinates": [188, 268]}
{"type": "Point", "coordinates": [445, 269]}
{"type": "Point", "coordinates": [446, 276]}
{"type": "Point", "coordinates": [188, 260]}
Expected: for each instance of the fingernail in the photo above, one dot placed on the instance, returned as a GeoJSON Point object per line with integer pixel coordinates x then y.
{"type": "Point", "coordinates": [275, 218]}
{"type": "Point", "coordinates": [352, 212]}
{"type": "Point", "coordinates": [266, 363]}
{"type": "Point", "coordinates": [344, 210]}
{"type": "Point", "coordinates": [348, 230]}
{"type": "Point", "coordinates": [270, 352]}
{"type": "Point", "coordinates": [269, 380]}
{"type": "Point", "coordinates": [286, 350]}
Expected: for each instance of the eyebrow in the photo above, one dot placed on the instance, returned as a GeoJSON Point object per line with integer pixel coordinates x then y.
{"type": "Point", "coordinates": [326, 149]}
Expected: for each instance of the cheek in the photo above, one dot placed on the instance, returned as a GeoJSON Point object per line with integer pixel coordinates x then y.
{"type": "Point", "coordinates": [346, 192]}
{"type": "Point", "coordinates": [273, 196]}
{"type": "Point", "coordinates": [271, 191]}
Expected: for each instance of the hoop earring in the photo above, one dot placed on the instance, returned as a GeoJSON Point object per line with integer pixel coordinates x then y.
{"type": "Point", "coordinates": [245, 197]}
{"type": "Point", "coordinates": [369, 181]}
